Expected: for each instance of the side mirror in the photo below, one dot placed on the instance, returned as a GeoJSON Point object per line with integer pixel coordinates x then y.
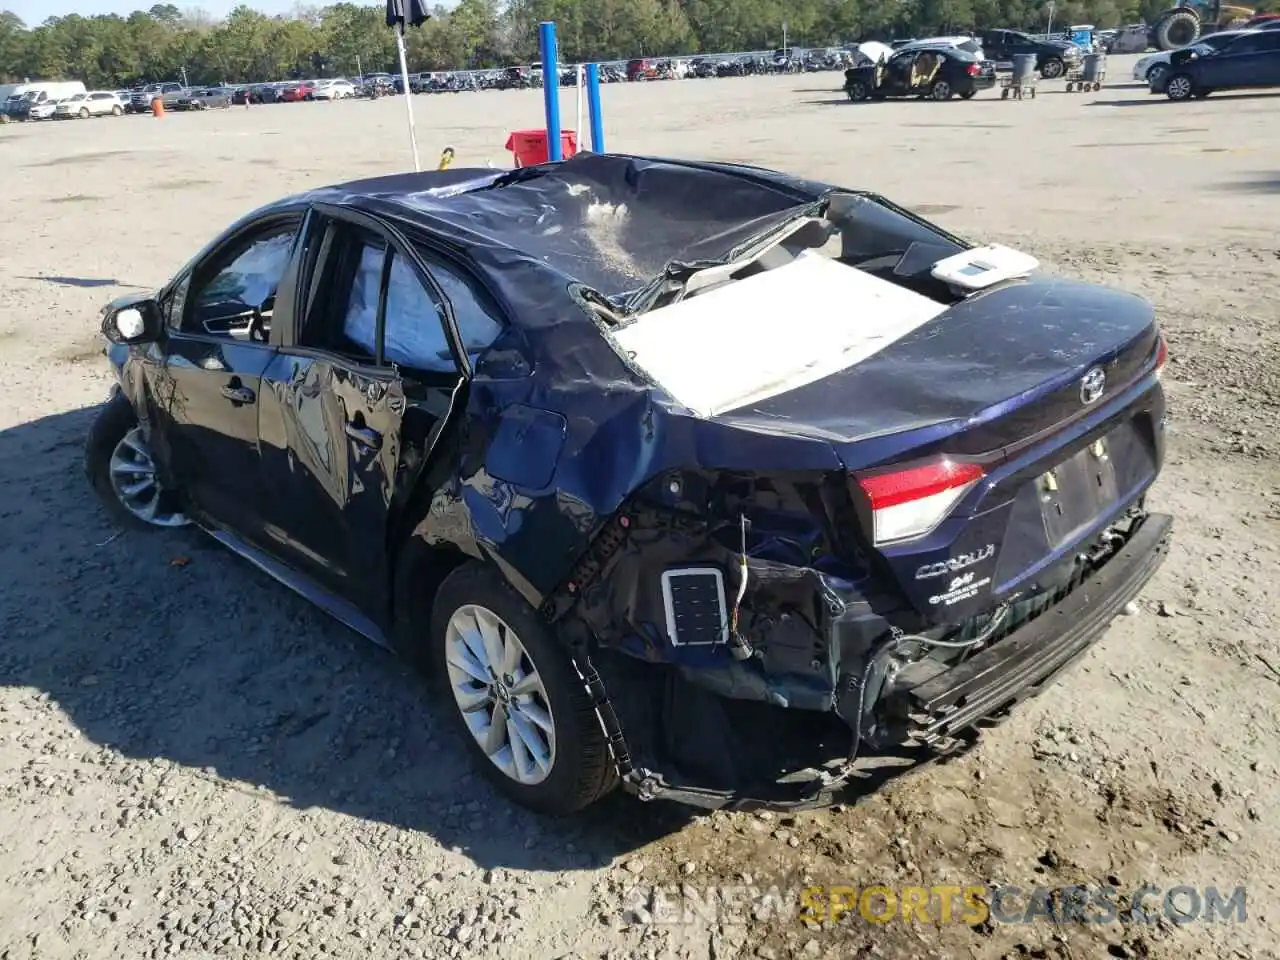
{"type": "Point", "coordinates": [132, 323]}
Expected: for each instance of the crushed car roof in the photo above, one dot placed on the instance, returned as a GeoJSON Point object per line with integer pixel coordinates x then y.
{"type": "Point", "coordinates": [611, 222]}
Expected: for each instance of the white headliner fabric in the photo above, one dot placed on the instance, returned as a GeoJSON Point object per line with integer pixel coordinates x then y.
{"type": "Point", "coordinates": [767, 334]}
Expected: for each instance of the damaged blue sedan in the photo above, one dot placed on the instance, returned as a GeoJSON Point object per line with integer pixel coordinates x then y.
{"type": "Point", "coordinates": [723, 485]}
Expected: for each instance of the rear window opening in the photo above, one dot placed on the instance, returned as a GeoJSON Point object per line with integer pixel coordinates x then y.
{"type": "Point", "coordinates": [815, 296]}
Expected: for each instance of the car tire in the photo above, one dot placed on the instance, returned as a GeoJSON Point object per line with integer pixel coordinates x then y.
{"type": "Point", "coordinates": [84, 113]}
{"type": "Point", "coordinates": [1157, 71]}
{"type": "Point", "coordinates": [1202, 92]}
{"type": "Point", "coordinates": [567, 732]}
{"type": "Point", "coordinates": [858, 91]}
{"type": "Point", "coordinates": [1052, 69]}
{"type": "Point", "coordinates": [110, 454]}
{"type": "Point", "coordinates": [117, 111]}
{"type": "Point", "coordinates": [968, 95]}
{"type": "Point", "coordinates": [1180, 28]}
{"type": "Point", "coordinates": [1179, 87]}
{"type": "Point", "coordinates": [941, 90]}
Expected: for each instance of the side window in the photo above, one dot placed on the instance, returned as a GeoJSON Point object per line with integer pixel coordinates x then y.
{"type": "Point", "coordinates": [473, 310]}
{"type": "Point", "coordinates": [349, 293]}
{"type": "Point", "coordinates": [413, 334]}
{"type": "Point", "coordinates": [174, 305]}
{"type": "Point", "coordinates": [240, 285]}
{"type": "Point", "coordinates": [361, 275]}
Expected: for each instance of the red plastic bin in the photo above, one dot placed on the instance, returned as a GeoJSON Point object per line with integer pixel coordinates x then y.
{"type": "Point", "coordinates": [531, 148]}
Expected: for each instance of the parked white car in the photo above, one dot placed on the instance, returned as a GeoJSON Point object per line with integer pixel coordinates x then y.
{"type": "Point", "coordinates": [1153, 67]}
{"type": "Point", "coordinates": [43, 110]}
{"type": "Point", "coordinates": [96, 103]}
{"type": "Point", "coordinates": [333, 90]}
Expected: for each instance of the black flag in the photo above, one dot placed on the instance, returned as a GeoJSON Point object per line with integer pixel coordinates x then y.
{"type": "Point", "coordinates": [411, 12]}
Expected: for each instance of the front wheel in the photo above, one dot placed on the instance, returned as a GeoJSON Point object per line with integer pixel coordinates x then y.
{"type": "Point", "coordinates": [1179, 87]}
{"type": "Point", "coordinates": [122, 471]}
{"type": "Point", "coordinates": [84, 113]}
{"type": "Point", "coordinates": [517, 700]}
{"type": "Point", "coordinates": [1052, 69]}
{"type": "Point", "coordinates": [858, 91]}
{"type": "Point", "coordinates": [117, 111]}
{"type": "Point", "coordinates": [1157, 73]}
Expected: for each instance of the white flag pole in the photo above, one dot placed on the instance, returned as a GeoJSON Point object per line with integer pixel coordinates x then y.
{"type": "Point", "coordinates": [408, 96]}
{"type": "Point", "coordinates": [578, 82]}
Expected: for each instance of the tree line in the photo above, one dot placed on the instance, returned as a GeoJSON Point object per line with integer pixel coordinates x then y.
{"type": "Point", "coordinates": [164, 42]}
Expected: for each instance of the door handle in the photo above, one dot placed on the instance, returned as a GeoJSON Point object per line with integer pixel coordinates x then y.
{"type": "Point", "coordinates": [364, 436]}
{"type": "Point", "coordinates": [238, 394]}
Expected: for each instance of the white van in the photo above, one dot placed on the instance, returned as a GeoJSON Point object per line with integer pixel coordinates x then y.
{"type": "Point", "coordinates": [17, 106]}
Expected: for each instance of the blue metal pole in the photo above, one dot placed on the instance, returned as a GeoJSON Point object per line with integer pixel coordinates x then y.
{"type": "Point", "coordinates": [593, 108]}
{"type": "Point", "coordinates": [551, 87]}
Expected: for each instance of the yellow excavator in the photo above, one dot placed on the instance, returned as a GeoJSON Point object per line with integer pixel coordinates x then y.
{"type": "Point", "coordinates": [1192, 19]}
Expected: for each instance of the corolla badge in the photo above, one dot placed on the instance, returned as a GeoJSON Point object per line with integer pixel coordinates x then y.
{"type": "Point", "coordinates": [1093, 385]}
{"type": "Point", "coordinates": [955, 564]}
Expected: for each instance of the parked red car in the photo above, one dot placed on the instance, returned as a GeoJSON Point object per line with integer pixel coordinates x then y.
{"type": "Point", "coordinates": [295, 92]}
{"type": "Point", "coordinates": [641, 70]}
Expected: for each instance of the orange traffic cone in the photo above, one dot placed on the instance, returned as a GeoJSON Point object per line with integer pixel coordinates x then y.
{"type": "Point", "coordinates": [157, 107]}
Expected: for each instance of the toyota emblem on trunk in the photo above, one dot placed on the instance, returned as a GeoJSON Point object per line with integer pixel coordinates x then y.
{"type": "Point", "coordinates": [1092, 385]}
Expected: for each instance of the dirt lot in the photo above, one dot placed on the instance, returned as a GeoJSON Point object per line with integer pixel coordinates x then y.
{"type": "Point", "coordinates": [194, 761]}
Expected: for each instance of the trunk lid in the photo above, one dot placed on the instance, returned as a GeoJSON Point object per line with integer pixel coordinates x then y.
{"type": "Point", "coordinates": [994, 371]}
{"type": "Point", "coordinates": [1046, 384]}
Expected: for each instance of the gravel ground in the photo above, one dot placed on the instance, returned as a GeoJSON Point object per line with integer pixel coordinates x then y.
{"type": "Point", "coordinates": [195, 762]}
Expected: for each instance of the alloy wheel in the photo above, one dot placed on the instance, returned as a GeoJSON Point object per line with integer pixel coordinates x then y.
{"type": "Point", "coordinates": [500, 694]}
{"type": "Point", "coordinates": [134, 481]}
{"type": "Point", "coordinates": [1179, 88]}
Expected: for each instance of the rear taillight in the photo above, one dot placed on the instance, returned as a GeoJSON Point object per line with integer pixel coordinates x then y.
{"type": "Point", "coordinates": [1162, 355]}
{"type": "Point", "coordinates": [974, 70]}
{"type": "Point", "coordinates": [911, 502]}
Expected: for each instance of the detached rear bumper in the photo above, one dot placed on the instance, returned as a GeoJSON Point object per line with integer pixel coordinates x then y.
{"type": "Point", "coordinates": [1024, 663]}
{"type": "Point", "coordinates": [942, 709]}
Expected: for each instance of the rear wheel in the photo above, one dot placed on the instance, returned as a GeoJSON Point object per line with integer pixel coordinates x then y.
{"type": "Point", "coordinates": [941, 90]}
{"type": "Point", "coordinates": [968, 94]}
{"type": "Point", "coordinates": [516, 698]}
{"type": "Point", "coordinates": [121, 470]}
{"type": "Point", "coordinates": [1052, 69]}
{"type": "Point", "coordinates": [84, 113]}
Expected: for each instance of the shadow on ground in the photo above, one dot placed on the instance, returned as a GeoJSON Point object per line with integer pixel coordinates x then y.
{"type": "Point", "coordinates": [81, 281]}
{"type": "Point", "coordinates": [1160, 98]}
{"type": "Point", "coordinates": [1261, 183]}
{"type": "Point", "coordinates": [163, 645]}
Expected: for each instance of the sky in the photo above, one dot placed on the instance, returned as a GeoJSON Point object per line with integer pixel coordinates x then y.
{"type": "Point", "coordinates": [35, 12]}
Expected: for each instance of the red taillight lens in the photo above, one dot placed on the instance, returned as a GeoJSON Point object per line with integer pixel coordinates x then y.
{"type": "Point", "coordinates": [974, 69]}
{"type": "Point", "coordinates": [1162, 355]}
{"type": "Point", "coordinates": [911, 502]}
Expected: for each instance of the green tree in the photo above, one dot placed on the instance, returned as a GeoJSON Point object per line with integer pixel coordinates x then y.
{"type": "Point", "coordinates": [337, 38]}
